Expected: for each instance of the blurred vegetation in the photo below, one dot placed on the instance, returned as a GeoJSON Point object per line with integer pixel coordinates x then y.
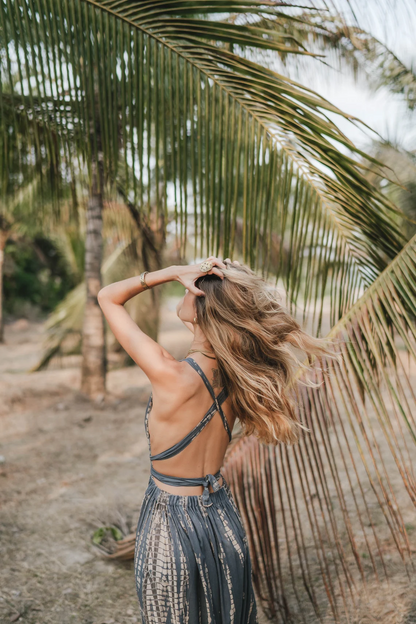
{"type": "Point", "coordinates": [36, 277]}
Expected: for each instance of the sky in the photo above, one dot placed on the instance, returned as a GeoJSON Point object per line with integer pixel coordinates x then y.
{"type": "Point", "coordinates": [383, 111]}
{"type": "Point", "coordinates": [393, 25]}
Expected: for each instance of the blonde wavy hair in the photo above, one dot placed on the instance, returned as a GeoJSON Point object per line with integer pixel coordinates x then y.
{"type": "Point", "coordinates": [253, 337]}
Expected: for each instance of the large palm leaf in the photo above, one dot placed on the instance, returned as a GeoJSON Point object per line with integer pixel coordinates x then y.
{"type": "Point", "coordinates": [338, 505]}
{"type": "Point", "coordinates": [225, 136]}
{"type": "Point", "coordinates": [66, 320]}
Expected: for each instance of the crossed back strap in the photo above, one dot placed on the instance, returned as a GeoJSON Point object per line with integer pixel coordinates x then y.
{"type": "Point", "coordinates": [216, 406]}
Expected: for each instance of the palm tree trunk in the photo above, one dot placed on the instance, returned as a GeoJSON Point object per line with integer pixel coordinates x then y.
{"type": "Point", "coordinates": [94, 361]}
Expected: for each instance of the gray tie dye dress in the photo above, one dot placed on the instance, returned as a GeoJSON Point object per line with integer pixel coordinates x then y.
{"type": "Point", "coordinates": [192, 562]}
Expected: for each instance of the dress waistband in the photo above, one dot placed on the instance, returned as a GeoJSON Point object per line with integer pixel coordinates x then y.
{"type": "Point", "coordinates": [192, 481]}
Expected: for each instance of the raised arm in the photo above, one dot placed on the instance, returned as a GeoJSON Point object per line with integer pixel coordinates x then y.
{"type": "Point", "coordinates": [152, 358]}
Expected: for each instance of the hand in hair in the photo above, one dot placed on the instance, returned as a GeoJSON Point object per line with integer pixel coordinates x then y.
{"type": "Point", "coordinates": [187, 275]}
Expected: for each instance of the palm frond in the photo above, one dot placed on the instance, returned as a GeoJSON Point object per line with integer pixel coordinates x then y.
{"type": "Point", "coordinates": [226, 138]}
{"type": "Point", "coordinates": [387, 16]}
{"type": "Point", "coordinates": [362, 51]}
{"type": "Point", "coordinates": [328, 515]}
{"type": "Point", "coordinates": [382, 66]}
{"type": "Point", "coordinates": [403, 164]}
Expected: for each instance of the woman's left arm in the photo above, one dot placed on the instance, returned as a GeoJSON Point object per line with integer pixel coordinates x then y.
{"type": "Point", "coordinates": [152, 358]}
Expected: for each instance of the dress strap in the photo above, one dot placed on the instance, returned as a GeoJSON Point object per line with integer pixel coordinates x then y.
{"type": "Point", "coordinates": [146, 420]}
{"type": "Point", "coordinates": [191, 481]}
{"type": "Point", "coordinates": [201, 373]}
{"type": "Point", "coordinates": [179, 446]}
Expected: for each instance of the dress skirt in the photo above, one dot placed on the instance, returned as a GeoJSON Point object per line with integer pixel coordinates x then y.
{"type": "Point", "coordinates": [192, 562]}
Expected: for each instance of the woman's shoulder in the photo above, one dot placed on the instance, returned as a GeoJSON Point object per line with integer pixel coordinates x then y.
{"type": "Point", "coordinates": [177, 384]}
{"type": "Point", "coordinates": [168, 371]}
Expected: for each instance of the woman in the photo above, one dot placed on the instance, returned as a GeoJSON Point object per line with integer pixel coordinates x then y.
{"type": "Point", "coordinates": [192, 562]}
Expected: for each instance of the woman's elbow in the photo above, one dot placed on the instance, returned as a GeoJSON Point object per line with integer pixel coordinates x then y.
{"type": "Point", "coordinates": [102, 296]}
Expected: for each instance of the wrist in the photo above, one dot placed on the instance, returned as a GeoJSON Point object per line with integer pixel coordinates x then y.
{"type": "Point", "coordinates": [161, 276]}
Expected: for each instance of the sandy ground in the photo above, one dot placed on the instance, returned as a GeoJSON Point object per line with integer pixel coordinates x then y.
{"type": "Point", "coordinates": [69, 466]}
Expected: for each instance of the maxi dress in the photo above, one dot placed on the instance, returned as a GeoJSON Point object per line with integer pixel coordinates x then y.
{"type": "Point", "coordinates": [192, 562]}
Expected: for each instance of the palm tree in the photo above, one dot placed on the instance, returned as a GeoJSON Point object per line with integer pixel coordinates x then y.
{"type": "Point", "coordinates": [16, 217]}
{"type": "Point", "coordinates": [128, 240]}
{"type": "Point", "coordinates": [162, 83]}
{"type": "Point", "coordinates": [358, 50]}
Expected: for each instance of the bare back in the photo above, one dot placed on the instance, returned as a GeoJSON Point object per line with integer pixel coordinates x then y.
{"type": "Point", "coordinates": [173, 415]}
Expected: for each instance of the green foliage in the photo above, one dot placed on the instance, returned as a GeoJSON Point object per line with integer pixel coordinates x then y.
{"type": "Point", "coordinates": [36, 273]}
{"type": "Point", "coordinates": [100, 533]}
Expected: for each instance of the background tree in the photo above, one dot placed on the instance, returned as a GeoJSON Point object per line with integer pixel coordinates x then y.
{"type": "Point", "coordinates": [162, 92]}
{"type": "Point", "coordinates": [29, 188]}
